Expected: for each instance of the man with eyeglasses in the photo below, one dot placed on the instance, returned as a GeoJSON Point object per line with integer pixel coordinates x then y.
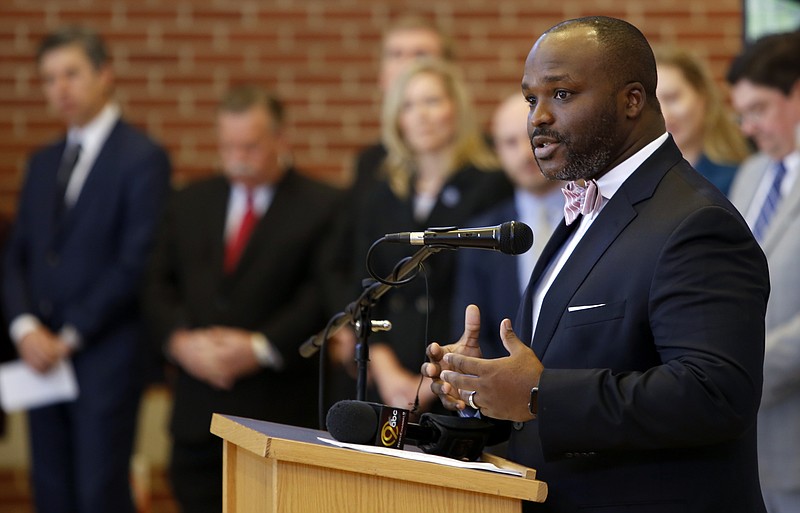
{"type": "Point", "coordinates": [765, 88]}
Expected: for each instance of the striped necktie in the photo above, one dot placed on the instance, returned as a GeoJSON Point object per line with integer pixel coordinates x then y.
{"type": "Point", "coordinates": [770, 203]}
{"type": "Point", "coordinates": [581, 200]}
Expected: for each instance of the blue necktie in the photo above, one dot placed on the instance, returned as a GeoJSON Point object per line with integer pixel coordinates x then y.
{"type": "Point", "coordinates": [770, 203]}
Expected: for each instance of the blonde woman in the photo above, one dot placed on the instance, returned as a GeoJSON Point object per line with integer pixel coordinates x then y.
{"type": "Point", "coordinates": [439, 171]}
{"type": "Point", "coordinates": [696, 117]}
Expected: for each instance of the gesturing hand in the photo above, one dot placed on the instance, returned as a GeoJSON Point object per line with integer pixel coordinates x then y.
{"type": "Point", "coordinates": [502, 386]}
{"type": "Point", "coordinates": [467, 345]}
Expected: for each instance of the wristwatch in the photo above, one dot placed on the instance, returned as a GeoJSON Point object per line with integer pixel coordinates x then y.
{"type": "Point", "coordinates": [533, 404]}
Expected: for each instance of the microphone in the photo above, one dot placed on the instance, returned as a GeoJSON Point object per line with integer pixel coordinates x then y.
{"type": "Point", "coordinates": [360, 422]}
{"type": "Point", "coordinates": [511, 238]}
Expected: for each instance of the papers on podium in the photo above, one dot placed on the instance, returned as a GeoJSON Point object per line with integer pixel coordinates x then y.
{"type": "Point", "coordinates": [421, 456]}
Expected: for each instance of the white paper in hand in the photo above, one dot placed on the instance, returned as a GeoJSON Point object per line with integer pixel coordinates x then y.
{"type": "Point", "coordinates": [22, 388]}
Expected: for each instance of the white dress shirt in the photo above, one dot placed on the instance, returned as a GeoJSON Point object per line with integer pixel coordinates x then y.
{"type": "Point", "coordinates": [91, 137]}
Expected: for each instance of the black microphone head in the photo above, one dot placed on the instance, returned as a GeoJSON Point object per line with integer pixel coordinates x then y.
{"type": "Point", "coordinates": [515, 238]}
{"type": "Point", "coordinates": [354, 422]}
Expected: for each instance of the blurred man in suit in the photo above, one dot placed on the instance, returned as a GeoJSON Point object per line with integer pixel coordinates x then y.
{"type": "Point", "coordinates": [76, 255]}
{"type": "Point", "coordinates": [636, 377]}
{"type": "Point", "coordinates": [233, 290]}
{"type": "Point", "coordinates": [765, 82]}
{"type": "Point", "coordinates": [483, 277]}
{"type": "Point", "coordinates": [404, 41]}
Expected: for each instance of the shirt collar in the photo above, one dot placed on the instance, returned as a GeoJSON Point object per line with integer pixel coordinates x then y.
{"type": "Point", "coordinates": [610, 182]}
{"type": "Point", "coordinates": [262, 196]}
{"type": "Point", "coordinates": [94, 133]}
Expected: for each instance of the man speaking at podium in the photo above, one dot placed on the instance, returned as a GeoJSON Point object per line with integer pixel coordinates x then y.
{"type": "Point", "coordinates": [635, 375]}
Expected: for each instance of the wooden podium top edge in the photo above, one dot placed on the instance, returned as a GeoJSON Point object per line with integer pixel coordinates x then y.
{"type": "Point", "coordinates": [300, 445]}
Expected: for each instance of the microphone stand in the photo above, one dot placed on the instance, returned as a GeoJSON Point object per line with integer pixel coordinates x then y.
{"type": "Point", "coordinates": [358, 313]}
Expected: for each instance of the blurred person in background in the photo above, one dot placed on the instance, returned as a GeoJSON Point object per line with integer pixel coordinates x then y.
{"type": "Point", "coordinates": [696, 116]}
{"type": "Point", "coordinates": [407, 39]}
{"type": "Point", "coordinates": [765, 89]}
{"type": "Point", "coordinates": [438, 172]}
{"type": "Point", "coordinates": [232, 291]}
{"type": "Point", "coordinates": [73, 267]}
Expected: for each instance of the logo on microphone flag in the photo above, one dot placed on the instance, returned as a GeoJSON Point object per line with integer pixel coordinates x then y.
{"type": "Point", "coordinates": [392, 430]}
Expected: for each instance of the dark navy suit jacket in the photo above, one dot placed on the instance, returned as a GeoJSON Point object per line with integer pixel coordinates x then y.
{"type": "Point", "coordinates": [83, 267]}
{"type": "Point", "coordinates": [648, 400]}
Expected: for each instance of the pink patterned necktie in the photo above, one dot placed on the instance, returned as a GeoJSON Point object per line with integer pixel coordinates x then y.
{"type": "Point", "coordinates": [581, 200]}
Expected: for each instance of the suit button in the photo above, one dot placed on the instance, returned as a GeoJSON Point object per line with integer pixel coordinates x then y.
{"type": "Point", "coordinates": [518, 426]}
{"type": "Point", "coordinates": [52, 259]}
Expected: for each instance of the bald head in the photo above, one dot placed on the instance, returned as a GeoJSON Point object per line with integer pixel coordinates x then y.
{"type": "Point", "coordinates": [590, 84]}
{"type": "Point", "coordinates": [627, 56]}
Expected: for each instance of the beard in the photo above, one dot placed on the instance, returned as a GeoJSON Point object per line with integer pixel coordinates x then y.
{"type": "Point", "coordinates": [589, 152]}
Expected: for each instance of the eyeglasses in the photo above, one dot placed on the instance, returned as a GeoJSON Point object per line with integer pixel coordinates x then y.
{"type": "Point", "coordinates": [757, 112]}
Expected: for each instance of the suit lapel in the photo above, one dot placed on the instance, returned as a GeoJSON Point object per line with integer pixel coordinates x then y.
{"type": "Point", "coordinates": [525, 314]}
{"type": "Point", "coordinates": [610, 223]}
{"type": "Point", "coordinates": [52, 163]}
{"type": "Point", "coordinates": [216, 214]}
{"type": "Point", "coordinates": [96, 183]}
{"type": "Point", "coordinates": [604, 231]}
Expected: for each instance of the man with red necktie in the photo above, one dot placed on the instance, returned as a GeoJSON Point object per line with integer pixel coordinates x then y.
{"type": "Point", "coordinates": [233, 290]}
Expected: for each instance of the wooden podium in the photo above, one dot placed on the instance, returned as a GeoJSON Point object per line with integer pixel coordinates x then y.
{"type": "Point", "coordinates": [277, 468]}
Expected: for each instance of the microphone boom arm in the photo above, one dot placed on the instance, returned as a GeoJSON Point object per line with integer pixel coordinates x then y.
{"type": "Point", "coordinates": [368, 298]}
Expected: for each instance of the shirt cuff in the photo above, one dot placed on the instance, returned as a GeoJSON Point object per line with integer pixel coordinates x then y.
{"type": "Point", "coordinates": [22, 326]}
{"type": "Point", "coordinates": [266, 353]}
{"type": "Point", "coordinates": [469, 412]}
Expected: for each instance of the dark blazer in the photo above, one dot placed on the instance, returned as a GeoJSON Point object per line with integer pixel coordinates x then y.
{"type": "Point", "coordinates": [84, 268]}
{"type": "Point", "coordinates": [466, 194]}
{"type": "Point", "coordinates": [274, 290]}
{"type": "Point", "coordinates": [490, 280]}
{"type": "Point", "coordinates": [648, 403]}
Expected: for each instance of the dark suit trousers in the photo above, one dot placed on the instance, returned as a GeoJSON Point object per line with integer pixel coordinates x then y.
{"type": "Point", "coordinates": [81, 452]}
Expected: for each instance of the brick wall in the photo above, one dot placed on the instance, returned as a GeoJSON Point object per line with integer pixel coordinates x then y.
{"type": "Point", "coordinates": [174, 58]}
